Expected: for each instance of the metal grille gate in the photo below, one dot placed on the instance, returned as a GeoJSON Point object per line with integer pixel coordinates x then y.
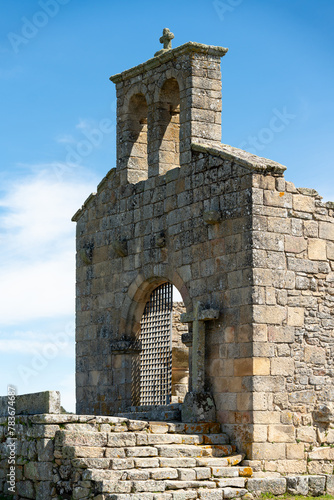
{"type": "Point", "coordinates": [156, 354]}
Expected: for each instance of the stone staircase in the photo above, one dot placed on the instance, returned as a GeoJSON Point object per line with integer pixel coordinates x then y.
{"type": "Point", "coordinates": [131, 459]}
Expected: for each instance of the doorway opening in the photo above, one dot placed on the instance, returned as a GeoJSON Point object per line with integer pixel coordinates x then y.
{"type": "Point", "coordinates": [164, 359]}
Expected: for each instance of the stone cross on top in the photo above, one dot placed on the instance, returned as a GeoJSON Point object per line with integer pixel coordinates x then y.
{"type": "Point", "coordinates": [166, 39]}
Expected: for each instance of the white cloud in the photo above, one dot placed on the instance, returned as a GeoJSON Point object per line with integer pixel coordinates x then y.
{"type": "Point", "coordinates": [66, 139]}
{"type": "Point", "coordinates": [67, 392]}
{"type": "Point", "coordinates": [85, 124]}
{"type": "Point", "coordinates": [37, 272]}
{"type": "Point", "coordinates": [31, 342]}
{"type": "Point", "coordinates": [38, 247]}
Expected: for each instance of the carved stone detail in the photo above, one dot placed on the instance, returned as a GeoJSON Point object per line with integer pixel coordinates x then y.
{"type": "Point", "coordinates": [125, 346]}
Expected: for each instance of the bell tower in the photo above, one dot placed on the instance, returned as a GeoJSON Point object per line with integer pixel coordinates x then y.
{"type": "Point", "coordinates": [164, 105]}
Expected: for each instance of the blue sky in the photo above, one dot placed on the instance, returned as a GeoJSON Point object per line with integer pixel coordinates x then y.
{"type": "Point", "coordinates": [57, 134]}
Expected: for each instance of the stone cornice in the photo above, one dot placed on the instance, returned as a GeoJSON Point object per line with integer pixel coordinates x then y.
{"type": "Point", "coordinates": [211, 50]}
{"type": "Point", "coordinates": [241, 157]}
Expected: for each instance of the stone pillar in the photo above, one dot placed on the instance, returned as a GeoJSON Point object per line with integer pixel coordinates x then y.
{"type": "Point", "coordinates": [125, 354]}
{"type": "Point", "coordinates": [198, 405]}
{"type": "Point", "coordinates": [202, 121]}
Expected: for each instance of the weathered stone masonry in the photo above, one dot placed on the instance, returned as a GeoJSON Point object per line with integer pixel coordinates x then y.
{"type": "Point", "coordinates": [253, 258]}
{"type": "Point", "coordinates": [111, 458]}
{"type": "Point", "coordinates": [229, 232]}
{"type": "Point", "coordinates": [161, 107]}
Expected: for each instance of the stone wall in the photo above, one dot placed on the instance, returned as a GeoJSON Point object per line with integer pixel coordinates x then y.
{"type": "Point", "coordinates": [203, 212]}
{"type": "Point", "coordinates": [278, 373]}
{"type": "Point", "coordinates": [293, 340]}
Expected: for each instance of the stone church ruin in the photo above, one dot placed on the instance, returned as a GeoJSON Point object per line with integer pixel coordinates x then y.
{"type": "Point", "coordinates": [208, 397]}
{"type": "Point", "coordinates": [250, 254]}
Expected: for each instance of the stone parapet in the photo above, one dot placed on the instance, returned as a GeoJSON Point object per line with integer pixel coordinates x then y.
{"type": "Point", "coordinates": [31, 404]}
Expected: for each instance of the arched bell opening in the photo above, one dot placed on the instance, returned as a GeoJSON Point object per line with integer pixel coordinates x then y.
{"type": "Point", "coordinates": [167, 133]}
{"type": "Point", "coordinates": [135, 138]}
{"type": "Point", "coordinates": [160, 374]}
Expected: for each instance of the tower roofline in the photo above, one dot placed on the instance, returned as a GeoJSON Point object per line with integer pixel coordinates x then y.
{"type": "Point", "coordinates": [152, 63]}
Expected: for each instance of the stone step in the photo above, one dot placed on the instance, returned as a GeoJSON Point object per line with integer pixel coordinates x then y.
{"type": "Point", "coordinates": [174, 439]}
{"type": "Point", "coordinates": [170, 495]}
{"type": "Point", "coordinates": [232, 460]}
{"type": "Point", "coordinates": [155, 462]}
{"type": "Point", "coordinates": [171, 406]}
{"type": "Point", "coordinates": [171, 446]}
{"type": "Point", "coordinates": [188, 450]}
{"type": "Point", "coordinates": [179, 494]}
{"type": "Point", "coordinates": [120, 425]}
{"type": "Point", "coordinates": [230, 474]}
{"type": "Point", "coordinates": [232, 471]}
{"type": "Point", "coordinates": [184, 427]}
{"type": "Point", "coordinates": [180, 485]}
{"type": "Point", "coordinates": [98, 445]}
{"type": "Point", "coordinates": [157, 415]}
{"type": "Point", "coordinates": [102, 439]}
{"type": "Point", "coordinates": [158, 450]}
{"type": "Point", "coordinates": [198, 439]}
{"type": "Point", "coordinates": [150, 486]}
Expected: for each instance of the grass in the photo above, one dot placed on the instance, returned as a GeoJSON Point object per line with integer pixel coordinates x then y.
{"type": "Point", "coordinates": [287, 496]}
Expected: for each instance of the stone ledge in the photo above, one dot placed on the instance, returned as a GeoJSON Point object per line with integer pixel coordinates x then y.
{"type": "Point", "coordinates": [81, 210]}
{"type": "Point", "coordinates": [309, 192]}
{"type": "Point", "coordinates": [108, 177]}
{"type": "Point", "coordinates": [156, 61]}
{"type": "Point", "coordinates": [241, 157]}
